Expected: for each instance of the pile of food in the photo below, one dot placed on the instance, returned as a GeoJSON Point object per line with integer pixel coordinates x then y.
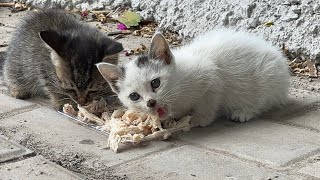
{"type": "Point", "coordinates": [127, 126]}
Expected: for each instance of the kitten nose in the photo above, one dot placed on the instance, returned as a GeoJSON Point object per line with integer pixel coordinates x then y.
{"type": "Point", "coordinates": [151, 103]}
{"type": "Point", "coordinates": [81, 101]}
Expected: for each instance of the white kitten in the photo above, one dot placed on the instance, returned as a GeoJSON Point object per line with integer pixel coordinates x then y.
{"type": "Point", "coordinates": [222, 71]}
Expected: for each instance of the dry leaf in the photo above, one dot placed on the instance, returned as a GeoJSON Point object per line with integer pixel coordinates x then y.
{"type": "Point", "coordinates": [313, 72]}
{"type": "Point", "coordinates": [140, 50]}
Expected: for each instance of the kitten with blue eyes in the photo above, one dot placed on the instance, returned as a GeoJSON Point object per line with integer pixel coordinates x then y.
{"type": "Point", "coordinates": [223, 72]}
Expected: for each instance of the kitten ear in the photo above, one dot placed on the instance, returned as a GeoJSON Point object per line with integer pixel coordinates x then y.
{"type": "Point", "coordinates": [160, 50]}
{"type": "Point", "coordinates": [111, 73]}
{"type": "Point", "coordinates": [113, 47]}
{"type": "Point", "coordinates": [53, 39]}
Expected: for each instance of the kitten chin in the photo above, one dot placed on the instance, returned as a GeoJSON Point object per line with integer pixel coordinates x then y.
{"type": "Point", "coordinates": [222, 72]}
{"type": "Point", "coordinates": [51, 54]}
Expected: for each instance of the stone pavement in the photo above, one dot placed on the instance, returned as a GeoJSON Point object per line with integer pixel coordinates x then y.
{"type": "Point", "coordinates": [36, 142]}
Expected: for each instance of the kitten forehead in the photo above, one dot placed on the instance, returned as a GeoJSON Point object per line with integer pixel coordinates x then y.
{"type": "Point", "coordinates": [137, 77]}
{"type": "Point", "coordinates": [142, 61]}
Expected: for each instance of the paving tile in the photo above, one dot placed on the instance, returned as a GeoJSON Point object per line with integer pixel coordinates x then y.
{"type": "Point", "coordinates": [312, 170]}
{"type": "Point", "coordinates": [257, 140]}
{"type": "Point", "coordinates": [303, 96]}
{"type": "Point", "coordinates": [308, 119]}
{"type": "Point", "coordinates": [35, 168]}
{"type": "Point", "coordinates": [64, 136]}
{"type": "Point", "coordinates": [10, 150]}
{"type": "Point", "coordinates": [303, 110]}
{"type": "Point", "coordinates": [8, 103]}
{"type": "Point", "coordinates": [188, 162]}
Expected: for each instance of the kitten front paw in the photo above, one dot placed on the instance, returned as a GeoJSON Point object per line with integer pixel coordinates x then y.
{"type": "Point", "coordinates": [241, 116]}
{"type": "Point", "coordinates": [205, 123]}
{"type": "Point", "coordinates": [19, 94]}
{"type": "Point", "coordinates": [201, 121]}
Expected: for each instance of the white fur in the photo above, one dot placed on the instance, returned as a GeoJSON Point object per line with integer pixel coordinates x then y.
{"type": "Point", "coordinates": [222, 71]}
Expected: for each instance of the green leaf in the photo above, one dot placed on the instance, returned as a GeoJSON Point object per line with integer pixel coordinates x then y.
{"type": "Point", "coordinates": [130, 18]}
{"type": "Point", "coordinates": [270, 23]}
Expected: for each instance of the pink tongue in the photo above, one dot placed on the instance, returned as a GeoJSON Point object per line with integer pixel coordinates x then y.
{"type": "Point", "coordinates": [161, 111]}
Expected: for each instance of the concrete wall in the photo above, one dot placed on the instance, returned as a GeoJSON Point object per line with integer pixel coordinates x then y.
{"type": "Point", "coordinates": [296, 22]}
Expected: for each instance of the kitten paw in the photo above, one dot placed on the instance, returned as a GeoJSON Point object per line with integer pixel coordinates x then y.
{"type": "Point", "coordinates": [197, 121]}
{"type": "Point", "coordinates": [205, 123]}
{"type": "Point", "coordinates": [241, 116]}
{"type": "Point", "coordinates": [18, 94]}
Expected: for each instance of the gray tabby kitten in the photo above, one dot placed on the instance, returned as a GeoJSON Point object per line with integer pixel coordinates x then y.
{"type": "Point", "coordinates": [52, 54]}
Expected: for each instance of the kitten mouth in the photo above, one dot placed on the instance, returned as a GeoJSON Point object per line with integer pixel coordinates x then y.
{"type": "Point", "coordinates": [162, 111]}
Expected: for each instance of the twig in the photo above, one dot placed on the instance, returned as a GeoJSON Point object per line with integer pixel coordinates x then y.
{"type": "Point", "coordinates": [119, 36]}
{"type": "Point", "coordinates": [7, 4]}
{"type": "Point", "coordinates": [101, 12]}
{"type": "Point", "coordinates": [119, 32]}
{"type": "Point", "coordinates": [113, 12]}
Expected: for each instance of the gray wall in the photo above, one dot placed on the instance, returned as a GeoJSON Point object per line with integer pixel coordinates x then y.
{"type": "Point", "coordinates": [296, 22]}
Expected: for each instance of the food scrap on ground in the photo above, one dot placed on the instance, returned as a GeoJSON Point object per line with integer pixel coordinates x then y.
{"type": "Point", "coordinates": [127, 126]}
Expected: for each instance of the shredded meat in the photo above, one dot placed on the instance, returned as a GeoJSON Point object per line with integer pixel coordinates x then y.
{"type": "Point", "coordinates": [127, 125]}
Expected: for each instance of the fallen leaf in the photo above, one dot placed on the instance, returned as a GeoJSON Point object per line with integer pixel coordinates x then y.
{"type": "Point", "coordinates": [311, 66]}
{"type": "Point", "coordinates": [140, 50]}
{"type": "Point", "coordinates": [130, 18]}
{"type": "Point", "coordinates": [101, 18]}
{"type": "Point", "coordinates": [270, 23]}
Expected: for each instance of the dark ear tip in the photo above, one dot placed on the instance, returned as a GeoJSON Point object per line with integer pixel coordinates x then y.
{"type": "Point", "coordinates": [45, 33]}
{"type": "Point", "coordinates": [114, 48]}
{"type": "Point", "coordinates": [120, 46]}
{"type": "Point", "coordinates": [42, 34]}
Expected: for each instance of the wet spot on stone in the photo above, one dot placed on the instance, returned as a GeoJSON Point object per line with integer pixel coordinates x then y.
{"type": "Point", "coordinates": [86, 141]}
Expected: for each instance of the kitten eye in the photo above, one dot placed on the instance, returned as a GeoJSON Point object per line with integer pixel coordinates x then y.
{"type": "Point", "coordinates": [155, 83]}
{"type": "Point", "coordinates": [93, 91]}
{"type": "Point", "coordinates": [70, 91]}
{"type": "Point", "coordinates": [134, 96]}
